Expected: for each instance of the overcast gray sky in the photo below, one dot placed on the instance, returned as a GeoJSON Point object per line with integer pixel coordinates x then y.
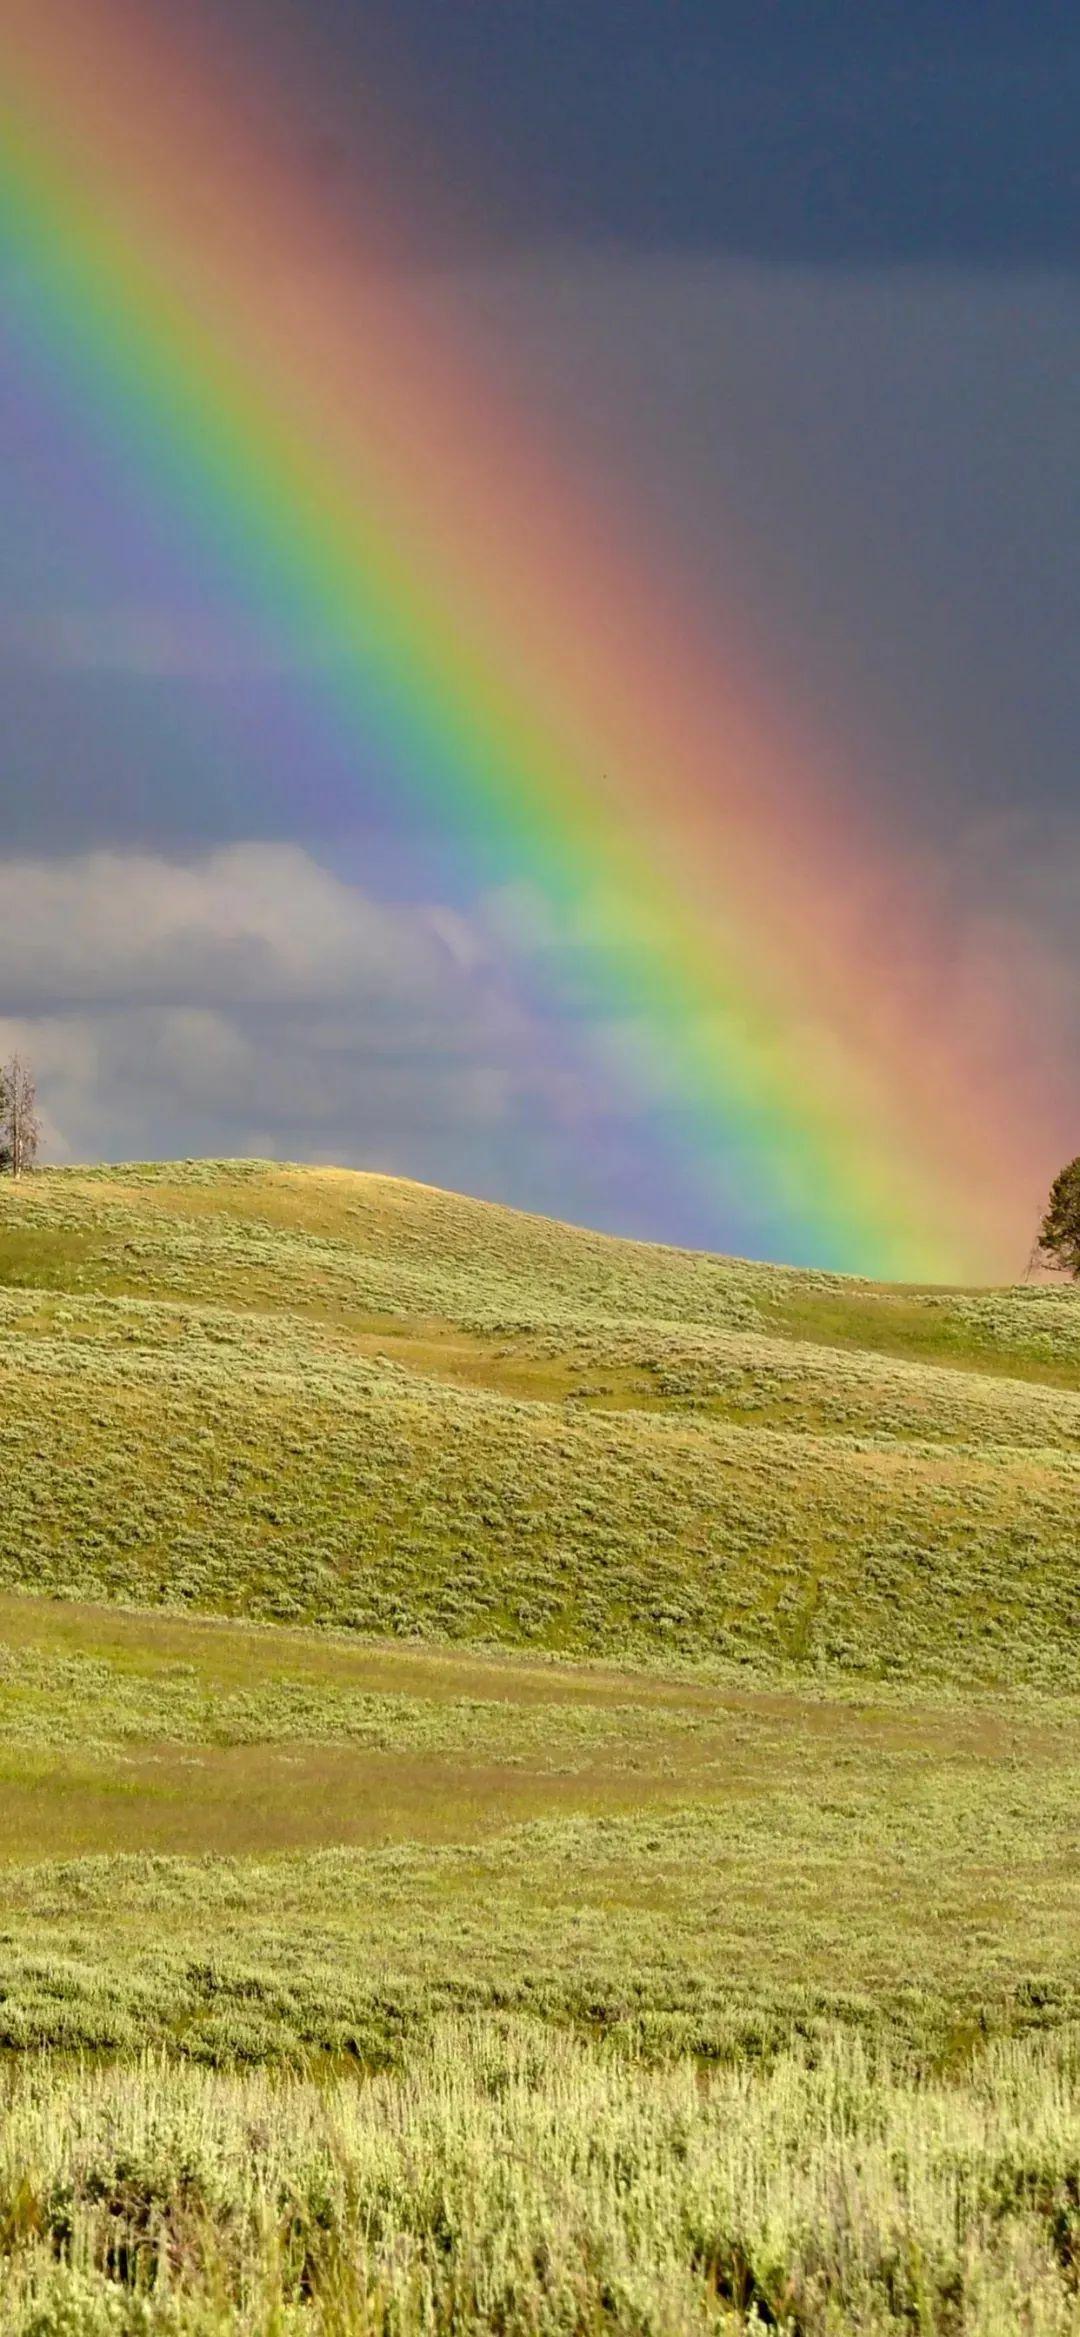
{"type": "Point", "coordinates": [809, 277]}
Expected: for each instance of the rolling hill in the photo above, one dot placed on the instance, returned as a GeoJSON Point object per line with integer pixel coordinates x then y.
{"type": "Point", "coordinates": [314, 1397]}
{"type": "Point", "coordinates": [599, 1723]}
{"type": "Point", "coordinates": [407, 1605]}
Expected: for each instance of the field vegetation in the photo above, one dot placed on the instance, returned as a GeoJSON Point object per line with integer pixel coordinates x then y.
{"type": "Point", "coordinates": [540, 1776]}
{"type": "Point", "coordinates": [522, 2182]}
{"type": "Point", "coordinates": [345, 1401]}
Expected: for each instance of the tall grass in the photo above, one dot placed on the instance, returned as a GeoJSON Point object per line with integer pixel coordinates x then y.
{"type": "Point", "coordinates": [517, 2180]}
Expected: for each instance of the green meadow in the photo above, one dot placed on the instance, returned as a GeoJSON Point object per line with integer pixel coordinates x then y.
{"type": "Point", "coordinates": [540, 1776]}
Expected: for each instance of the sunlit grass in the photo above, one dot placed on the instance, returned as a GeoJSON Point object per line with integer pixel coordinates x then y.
{"type": "Point", "coordinates": [511, 2180]}
{"type": "Point", "coordinates": [564, 1755]}
{"type": "Point", "coordinates": [338, 1400]}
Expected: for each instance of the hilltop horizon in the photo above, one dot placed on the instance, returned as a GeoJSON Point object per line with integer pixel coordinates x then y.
{"type": "Point", "coordinates": [209, 1163]}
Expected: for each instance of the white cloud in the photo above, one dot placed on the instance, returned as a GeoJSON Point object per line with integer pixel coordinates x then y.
{"type": "Point", "coordinates": [252, 1001]}
{"type": "Point", "coordinates": [250, 924]}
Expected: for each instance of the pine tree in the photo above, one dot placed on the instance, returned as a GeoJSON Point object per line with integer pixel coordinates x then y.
{"type": "Point", "coordinates": [1059, 1233]}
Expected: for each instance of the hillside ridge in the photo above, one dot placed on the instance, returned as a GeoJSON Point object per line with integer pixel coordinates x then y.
{"type": "Point", "coordinates": [407, 1606]}
{"type": "Point", "coordinates": [317, 1396]}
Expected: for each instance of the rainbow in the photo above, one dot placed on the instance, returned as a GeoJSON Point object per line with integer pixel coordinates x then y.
{"type": "Point", "coordinates": [497, 630]}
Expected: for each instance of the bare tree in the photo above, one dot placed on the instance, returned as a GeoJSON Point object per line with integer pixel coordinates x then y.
{"type": "Point", "coordinates": [20, 1127]}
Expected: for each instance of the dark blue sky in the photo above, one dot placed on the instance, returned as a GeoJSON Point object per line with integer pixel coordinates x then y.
{"type": "Point", "coordinates": [844, 131]}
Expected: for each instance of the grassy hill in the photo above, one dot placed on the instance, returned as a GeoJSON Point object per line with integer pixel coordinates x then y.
{"type": "Point", "coordinates": [425, 1628]}
{"type": "Point", "coordinates": [332, 1399]}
